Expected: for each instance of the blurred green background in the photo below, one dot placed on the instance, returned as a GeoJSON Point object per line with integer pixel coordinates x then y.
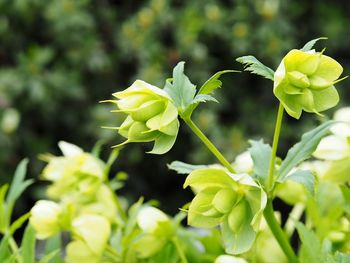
{"type": "Point", "coordinates": [59, 58]}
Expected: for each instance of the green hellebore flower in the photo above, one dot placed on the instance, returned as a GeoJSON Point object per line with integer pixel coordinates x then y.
{"type": "Point", "coordinates": [45, 218]}
{"type": "Point", "coordinates": [305, 81]}
{"type": "Point", "coordinates": [152, 116]}
{"type": "Point", "coordinates": [233, 201]}
{"type": "Point", "coordinates": [76, 174]}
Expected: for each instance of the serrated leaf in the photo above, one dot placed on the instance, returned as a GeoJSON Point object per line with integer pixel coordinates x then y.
{"type": "Point", "coordinates": [303, 149]}
{"type": "Point", "coordinates": [304, 177]}
{"type": "Point", "coordinates": [311, 249]}
{"type": "Point", "coordinates": [203, 98]}
{"type": "Point", "coordinates": [184, 168]}
{"type": "Point", "coordinates": [261, 154]}
{"type": "Point", "coordinates": [213, 82]}
{"type": "Point", "coordinates": [181, 90]}
{"type": "Point", "coordinates": [309, 45]}
{"type": "Point", "coordinates": [256, 67]}
{"type": "Point", "coordinates": [28, 245]}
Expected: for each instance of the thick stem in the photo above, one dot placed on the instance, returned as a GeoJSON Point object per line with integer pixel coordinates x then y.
{"type": "Point", "coordinates": [278, 232]}
{"type": "Point", "coordinates": [209, 144]}
{"type": "Point", "coordinates": [274, 147]}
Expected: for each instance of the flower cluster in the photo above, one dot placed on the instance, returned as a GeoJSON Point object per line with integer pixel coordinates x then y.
{"type": "Point", "coordinates": [83, 204]}
{"type": "Point", "coordinates": [304, 81]}
{"type": "Point", "coordinates": [233, 201]}
{"type": "Point", "coordinates": [152, 116]}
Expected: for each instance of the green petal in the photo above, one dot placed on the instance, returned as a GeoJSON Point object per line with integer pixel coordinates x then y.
{"type": "Point", "coordinates": [125, 126]}
{"type": "Point", "coordinates": [163, 119]}
{"type": "Point", "coordinates": [289, 102]}
{"type": "Point", "coordinates": [198, 207]}
{"type": "Point", "coordinates": [298, 79]}
{"type": "Point", "coordinates": [147, 110]}
{"type": "Point", "coordinates": [163, 144]}
{"type": "Point", "coordinates": [325, 99]}
{"type": "Point", "coordinates": [171, 129]}
{"type": "Point", "coordinates": [133, 102]}
{"type": "Point", "coordinates": [208, 177]}
{"type": "Point", "coordinates": [138, 132]}
{"type": "Point", "coordinates": [328, 69]}
{"type": "Point", "coordinates": [305, 62]}
{"type": "Point", "coordinates": [224, 200]}
{"type": "Point", "coordinates": [307, 101]}
{"type": "Point", "coordinates": [238, 216]}
{"type": "Point", "coordinates": [319, 83]}
{"type": "Point", "coordinates": [237, 243]}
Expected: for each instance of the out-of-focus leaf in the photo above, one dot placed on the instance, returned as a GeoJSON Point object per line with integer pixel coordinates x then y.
{"type": "Point", "coordinates": [28, 245]}
{"type": "Point", "coordinates": [261, 154]}
{"type": "Point", "coordinates": [303, 149]}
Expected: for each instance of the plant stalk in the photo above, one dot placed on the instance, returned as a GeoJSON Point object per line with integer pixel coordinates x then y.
{"type": "Point", "coordinates": [209, 144]}
{"type": "Point", "coordinates": [180, 250]}
{"type": "Point", "coordinates": [278, 232]}
{"type": "Point", "coordinates": [274, 147]}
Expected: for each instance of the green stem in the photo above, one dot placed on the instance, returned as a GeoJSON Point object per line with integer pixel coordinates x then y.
{"type": "Point", "coordinates": [278, 232]}
{"type": "Point", "coordinates": [274, 147]}
{"type": "Point", "coordinates": [15, 249]}
{"type": "Point", "coordinates": [180, 250]}
{"type": "Point", "coordinates": [209, 144]}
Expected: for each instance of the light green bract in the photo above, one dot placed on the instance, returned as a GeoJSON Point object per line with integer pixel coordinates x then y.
{"type": "Point", "coordinates": [304, 81]}
{"type": "Point", "coordinates": [152, 116]}
{"type": "Point", "coordinates": [233, 201]}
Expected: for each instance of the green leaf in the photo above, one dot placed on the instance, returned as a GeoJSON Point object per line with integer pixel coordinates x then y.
{"type": "Point", "coordinates": [19, 222]}
{"type": "Point", "coordinates": [213, 82]}
{"type": "Point", "coordinates": [309, 45]}
{"type": "Point", "coordinates": [256, 67]}
{"type": "Point", "coordinates": [50, 257]}
{"type": "Point", "coordinates": [3, 191]}
{"type": "Point", "coordinates": [28, 245]}
{"type": "Point", "coordinates": [181, 90]}
{"type": "Point", "coordinates": [184, 168]}
{"type": "Point", "coordinates": [4, 248]}
{"type": "Point", "coordinates": [261, 154]}
{"type": "Point", "coordinates": [304, 177]}
{"type": "Point", "coordinates": [18, 186]}
{"type": "Point", "coordinates": [52, 247]}
{"type": "Point", "coordinates": [311, 249]}
{"type": "Point", "coordinates": [303, 149]}
{"type": "Point", "coordinates": [203, 98]}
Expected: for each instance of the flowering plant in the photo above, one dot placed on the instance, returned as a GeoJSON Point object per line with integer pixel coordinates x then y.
{"type": "Point", "coordinates": [232, 216]}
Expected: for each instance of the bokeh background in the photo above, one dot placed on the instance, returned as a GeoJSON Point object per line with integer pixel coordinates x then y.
{"type": "Point", "coordinates": [59, 58]}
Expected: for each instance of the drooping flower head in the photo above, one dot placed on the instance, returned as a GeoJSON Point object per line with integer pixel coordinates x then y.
{"type": "Point", "coordinates": [304, 81]}
{"type": "Point", "coordinates": [152, 116]}
{"type": "Point", "coordinates": [233, 201]}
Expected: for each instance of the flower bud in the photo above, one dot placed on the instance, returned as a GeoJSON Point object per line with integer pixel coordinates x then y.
{"type": "Point", "coordinates": [152, 116]}
{"type": "Point", "coordinates": [305, 81]}
{"type": "Point", "coordinates": [44, 218]}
